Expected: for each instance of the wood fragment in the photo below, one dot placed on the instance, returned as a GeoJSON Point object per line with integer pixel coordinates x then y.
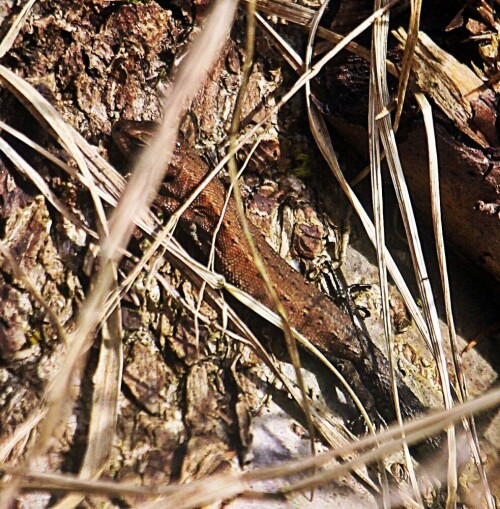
{"type": "Point", "coordinates": [453, 86]}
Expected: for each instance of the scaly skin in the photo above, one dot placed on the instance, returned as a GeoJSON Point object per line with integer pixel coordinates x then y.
{"type": "Point", "coordinates": [310, 311]}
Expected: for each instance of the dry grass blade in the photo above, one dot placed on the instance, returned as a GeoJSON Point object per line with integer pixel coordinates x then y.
{"type": "Point", "coordinates": [389, 142]}
{"type": "Point", "coordinates": [103, 307]}
{"type": "Point", "coordinates": [303, 79]}
{"type": "Point", "coordinates": [320, 131]}
{"type": "Point", "coordinates": [211, 256]}
{"type": "Point", "coordinates": [392, 439]}
{"type": "Point", "coordinates": [303, 17]}
{"type": "Point", "coordinates": [274, 319]}
{"type": "Point", "coordinates": [288, 53]}
{"type": "Point", "coordinates": [307, 65]}
{"type": "Point", "coordinates": [290, 341]}
{"type": "Point", "coordinates": [21, 435]}
{"type": "Point", "coordinates": [105, 176]}
{"type": "Point", "coordinates": [223, 486]}
{"type": "Point", "coordinates": [9, 38]}
{"type": "Point", "coordinates": [328, 153]}
{"type": "Point", "coordinates": [379, 92]}
{"type": "Point", "coordinates": [8, 494]}
{"type": "Point", "coordinates": [462, 392]}
{"type": "Point", "coordinates": [107, 181]}
{"type": "Point", "coordinates": [152, 164]}
{"type": "Point", "coordinates": [48, 115]}
{"type": "Point", "coordinates": [31, 174]}
{"type": "Point", "coordinates": [104, 410]}
{"type": "Point", "coordinates": [57, 396]}
{"type": "Point", "coordinates": [326, 148]}
{"type": "Point", "coordinates": [19, 274]}
{"type": "Point", "coordinates": [108, 374]}
{"type": "Point", "coordinates": [218, 488]}
{"type": "Point", "coordinates": [294, 13]}
{"type": "Point", "coordinates": [50, 157]}
{"type": "Point", "coordinates": [414, 27]}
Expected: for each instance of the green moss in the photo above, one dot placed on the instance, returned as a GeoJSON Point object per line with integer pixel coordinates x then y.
{"type": "Point", "coordinates": [303, 168]}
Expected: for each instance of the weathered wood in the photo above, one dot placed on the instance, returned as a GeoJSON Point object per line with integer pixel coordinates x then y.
{"type": "Point", "coordinates": [467, 140]}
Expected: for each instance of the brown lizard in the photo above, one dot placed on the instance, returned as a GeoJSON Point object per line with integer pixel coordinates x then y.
{"type": "Point", "coordinates": [310, 311]}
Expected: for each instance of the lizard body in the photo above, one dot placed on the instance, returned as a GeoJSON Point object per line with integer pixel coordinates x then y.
{"type": "Point", "coordinates": [310, 311]}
